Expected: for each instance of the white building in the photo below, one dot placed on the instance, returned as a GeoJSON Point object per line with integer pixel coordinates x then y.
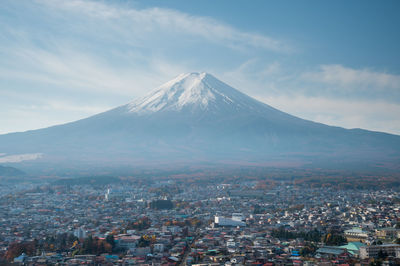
{"type": "Point", "coordinates": [230, 243]}
{"type": "Point", "coordinates": [158, 248]}
{"type": "Point", "coordinates": [372, 251]}
{"type": "Point", "coordinates": [238, 217]}
{"type": "Point", "coordinates": [221, 221]}
{"type": "Point", "coordinates": [80, 233]}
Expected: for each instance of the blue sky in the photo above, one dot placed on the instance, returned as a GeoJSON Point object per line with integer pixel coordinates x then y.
{"type": "Point", "coordinates": [335, 62]}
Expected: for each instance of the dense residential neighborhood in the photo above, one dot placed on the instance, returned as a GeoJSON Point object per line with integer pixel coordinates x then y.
{"type": "Point", "coordinates": [171, 222]}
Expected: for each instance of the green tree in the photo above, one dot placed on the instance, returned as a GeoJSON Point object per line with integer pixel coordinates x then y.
{"type": "Point", "coordinates": [382, 254]}
{"type": "Point", "coordinates": [143, 242]}
{"type": "Point", "coordinates": [110, 240]}
{"type": "Point", "coordinates": [334, 239]}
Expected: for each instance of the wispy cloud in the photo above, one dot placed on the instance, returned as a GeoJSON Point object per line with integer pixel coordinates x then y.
{"type": "Point", "coordinates": [76, 70]}
{"type": "Point", "coordinates": [333, 94]}
{"type": "Point", "coordinates": [16, 158]}
{"type": "Point", "coordinates": [366, 114]}
{"type": "Point", "coordinates": [39, 114]}
{"type": "Point", "coordinates": [328, 81]}
{"type": "Point", "coordinates": [350, 77]}
{"type": "Point", "coordinates": [141, 22]}
{"type": "Point", "coordinates": [256, 77]}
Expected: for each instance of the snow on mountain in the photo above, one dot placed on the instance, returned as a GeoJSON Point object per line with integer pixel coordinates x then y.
{"type": "Point", "coordinates": [196, 91]}
{"type": "Point", "coordinates": [186, 89]}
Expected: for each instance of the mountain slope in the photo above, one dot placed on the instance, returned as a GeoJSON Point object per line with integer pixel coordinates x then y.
{"type": "Point", "coordinates": [197, 118]}
{"type": "Point", "coordinates": [7, 171]}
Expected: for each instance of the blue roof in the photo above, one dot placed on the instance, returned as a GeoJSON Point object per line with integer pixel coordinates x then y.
{"type": "Point", "coordinates": [295, 253]}
{"type": "Point", "coordinates": [20, 258]}
{"type": "Point", "coordinates": [115, 257]}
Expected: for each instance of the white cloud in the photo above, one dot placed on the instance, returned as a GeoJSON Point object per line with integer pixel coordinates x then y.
{"type": "Point", "coordinates": [23, 117]}
{"type": "Point", "coordinates": [63, 106]}
{"type": "Point", "coordinates": [366, 114]}
{"type": "Point", "coordinates": [16, 158]}
{"type": "Point", "coordinates": [254, 76]}
{"type": "Point", "coordinates": [77, 70]}
{"type": "Point", "coordinates": [139, 22]}
{"type": "Point", "coordinates": [345, 76]}
{"type": "Point", "coordinates": [116, 52]}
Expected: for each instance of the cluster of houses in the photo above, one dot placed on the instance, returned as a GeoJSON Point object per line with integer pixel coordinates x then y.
{"type": "Point", "coordinates": [208, 224]}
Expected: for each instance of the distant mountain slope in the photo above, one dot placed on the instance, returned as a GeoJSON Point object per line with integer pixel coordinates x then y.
{"type": "Point", "coordinates": [8, 171]}
{"type": "Point", "coordinates": [196, 118]}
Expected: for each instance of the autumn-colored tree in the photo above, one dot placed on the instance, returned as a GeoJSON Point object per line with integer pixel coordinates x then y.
{"type": "Point", "coordinates": [95, 246]}
{"type": "Point", "coordinates": [143, 242]}
{"type": "Point", "coordinates": [140, 224]}
{"type": "Point", "coordinates": [334, 239]}
{"type": "Point", "coordinates": [17, 248]}
{"type": "Point", "coordinates": [110, 240]}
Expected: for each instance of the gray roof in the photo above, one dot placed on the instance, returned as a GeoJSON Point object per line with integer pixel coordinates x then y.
{"type": "Point", "coordinates": [330, 250]}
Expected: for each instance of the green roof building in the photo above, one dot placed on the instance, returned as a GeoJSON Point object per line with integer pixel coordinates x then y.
{"type": "Point", "coordinates": [353, 247]}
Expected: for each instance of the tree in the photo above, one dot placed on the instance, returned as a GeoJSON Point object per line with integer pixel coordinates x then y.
{"type": "Point", "coordinates": [95, 246]}
{"type": "Point", "coordinates": [377, 262]}
{"type": "Point", "coordinates": [110, 240]}
{"type": "Point", "coordinates": [144, 242]}
{"type": "Point", "coordinates": [382, 254]}
{"type": "Point", "coordinates": [88, 245]}
{"type": "Point", "coordinates": [141, 224]}
{"type": "Point", "coordinates": [334, 239]}
{"type": "Point", "coordinates": [308, 249]}
{"type": "Point", "coordinates": [17, 248]}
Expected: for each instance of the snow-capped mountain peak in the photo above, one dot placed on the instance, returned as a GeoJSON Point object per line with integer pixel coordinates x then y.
{"type": "Point", "coordinates": [192, 90]}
